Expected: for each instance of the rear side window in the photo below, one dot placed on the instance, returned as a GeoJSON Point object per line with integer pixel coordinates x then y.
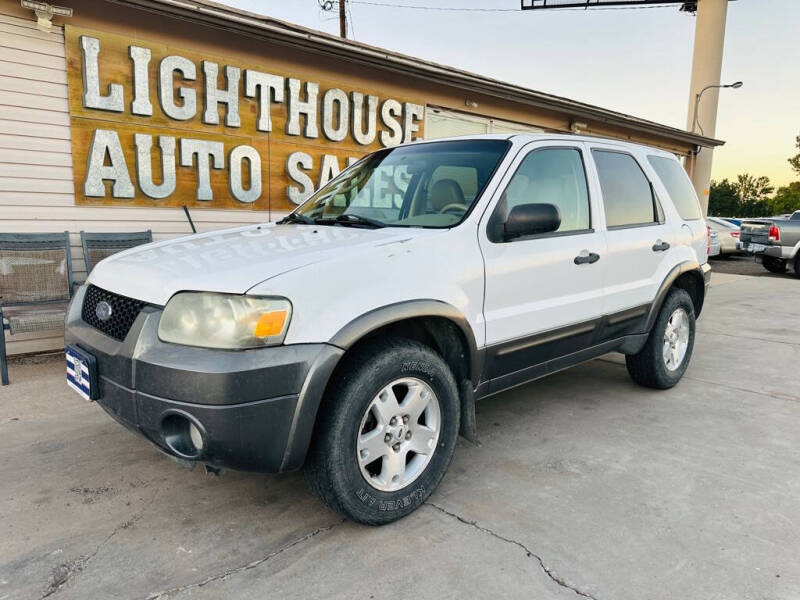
{"type": "Point", "coordinates": [627, 195]}
{"type": "Point", "coordinates": [678, 186]}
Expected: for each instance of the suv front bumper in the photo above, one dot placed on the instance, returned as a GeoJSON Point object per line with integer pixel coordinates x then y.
{"type": "Point", "coordinates": [255, 409]}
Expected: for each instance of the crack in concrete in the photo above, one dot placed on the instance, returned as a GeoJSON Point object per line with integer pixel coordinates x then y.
{"type": "Point", "coordinates": [768, 394]}
{"type": "Point", "coordinates": [528, 552]}
{"type": "Point", "coordinates": [750, 338]}
{"type": "Point", "coordinates": [66, 572]}
{"type": "Point", "coordinates": [165, 594]}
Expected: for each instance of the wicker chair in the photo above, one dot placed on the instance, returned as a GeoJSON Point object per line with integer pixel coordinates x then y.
{"type": "Point", "coordinates": [97, 246]}
{"type": "Point", "coordinates": [35, 285]}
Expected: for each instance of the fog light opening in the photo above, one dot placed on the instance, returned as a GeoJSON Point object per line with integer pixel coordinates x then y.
{"type": "Point", "coordinates": [182, 436]}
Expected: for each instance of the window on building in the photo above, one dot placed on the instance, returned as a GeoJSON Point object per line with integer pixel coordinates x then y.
{"type": "Point", "coordinates": [551, 176]}
{"type": "Point", "coordinates": [627, 195]}
{"type": "Point", "coordinates": [440, 123]}
{"type": "Point", "coordinates": [678, 185]}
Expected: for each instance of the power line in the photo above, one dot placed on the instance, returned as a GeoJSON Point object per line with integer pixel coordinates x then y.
{"type": "Point", "coordinates": [350, 23]}
{"type": "Point", "coordinates": [440, 8]}
{"type": "Point", "coordinates": [491, 9]}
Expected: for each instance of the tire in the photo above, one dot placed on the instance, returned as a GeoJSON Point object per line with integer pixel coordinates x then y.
{"type": "Point", "coordinates": [797, 264]}
{"type": "Point", "coordinates": [774, 265]}
{"type": "Point", "coordinates": [342, 468]}
{"type": "Point", "coordinates": [650, 367]}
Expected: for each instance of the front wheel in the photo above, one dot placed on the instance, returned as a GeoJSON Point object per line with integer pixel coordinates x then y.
{"type": "Point", "coordinates": [774, 265]}
{"type": "Point", "coordinates": [386, 432]}
{"type": "Point", "coordinates": [665, 357]}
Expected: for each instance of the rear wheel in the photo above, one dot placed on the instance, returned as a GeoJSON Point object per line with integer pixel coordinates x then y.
{"type": "Point", "coordinates": [386, 432]}
{"type": "Point", "coordinates": [665, 357]}
{"type": "Point", "coordinates": [774, 265]}
{"type": "Point", "coordinates": [797, 264]}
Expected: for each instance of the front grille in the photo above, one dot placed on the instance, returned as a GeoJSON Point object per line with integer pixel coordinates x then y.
{"type": "Point", "coordinates": [124, 311]}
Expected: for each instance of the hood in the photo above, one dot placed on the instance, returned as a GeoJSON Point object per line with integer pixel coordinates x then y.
{"type": "Point", "coordinates": [232, 260]}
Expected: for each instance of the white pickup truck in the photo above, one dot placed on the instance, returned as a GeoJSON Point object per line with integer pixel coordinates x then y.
{"type": "Point", "coordinates": [353, 337]}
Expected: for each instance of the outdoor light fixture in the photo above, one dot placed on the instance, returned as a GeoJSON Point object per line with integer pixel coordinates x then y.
{"type": "Point", "coordinates": [736, 85]}
{"type": "Point", "coordinates": [45, 13]}
{"type": "Point", "coordinates": [470, 103]}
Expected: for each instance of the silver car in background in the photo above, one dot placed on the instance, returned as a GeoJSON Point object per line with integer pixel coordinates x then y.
{"type": "Point", "coordinates": [714, 248]}
{"type": "Point", "coordinates": [727, 235]}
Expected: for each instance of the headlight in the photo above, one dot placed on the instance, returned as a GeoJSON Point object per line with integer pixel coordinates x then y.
{"type": "Point", "coordinates": [226, 321]}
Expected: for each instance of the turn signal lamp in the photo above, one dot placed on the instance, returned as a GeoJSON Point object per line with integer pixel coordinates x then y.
{"type": "Point", "coordinates": [270, 323]}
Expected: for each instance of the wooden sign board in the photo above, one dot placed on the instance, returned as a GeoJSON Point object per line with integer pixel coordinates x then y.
{"type": "Point", "coordinates": [155, 125]}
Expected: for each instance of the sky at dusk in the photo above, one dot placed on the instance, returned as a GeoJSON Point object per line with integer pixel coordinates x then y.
{"type": "Point", "coordinates": [637, 61]}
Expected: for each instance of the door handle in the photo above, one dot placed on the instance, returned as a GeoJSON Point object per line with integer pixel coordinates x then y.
{"type": "Point", "coordinates": [589, 258]}
{"type": "Point", "coordinates": [660, 246]}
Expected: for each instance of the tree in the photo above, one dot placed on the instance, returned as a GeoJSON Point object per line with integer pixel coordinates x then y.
{"type": "Point", "coordinates": [753, 193]}
{"type": "Point", "coordinates": [794, 161]}
{"type": "Point", "coordinates": [787, 198]}
{"type": "Point", "coordinates": [723, 199]}
{"type": "Point", "coordinates": [748, 196]}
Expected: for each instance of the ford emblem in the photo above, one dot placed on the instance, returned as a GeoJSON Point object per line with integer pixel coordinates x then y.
{"type": "Point", "coordinates": [103, 310]}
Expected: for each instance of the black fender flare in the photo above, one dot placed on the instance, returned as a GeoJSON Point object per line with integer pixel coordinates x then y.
{"type": "Point", "coordinates": [702, 273]}
{"type": "Point", "coordinates": [410, 309]}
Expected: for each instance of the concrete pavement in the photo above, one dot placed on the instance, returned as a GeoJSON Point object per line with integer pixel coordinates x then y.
{"type": "Point", "coordinates": [585, 485]}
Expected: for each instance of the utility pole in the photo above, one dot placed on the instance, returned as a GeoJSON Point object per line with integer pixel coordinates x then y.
{"type": "Point", "coordinates": [342, 19]}
{"type": "Point", "coordinates": [709, 40]}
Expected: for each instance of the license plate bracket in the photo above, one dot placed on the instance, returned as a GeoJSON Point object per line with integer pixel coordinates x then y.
{"type": "Point", "coordinates": [81, 372]}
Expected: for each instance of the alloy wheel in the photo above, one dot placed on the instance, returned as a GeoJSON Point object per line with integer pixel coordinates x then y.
{"type": "Point", "coordinates": [676, 339]}
{"type": "Point", "coordinates": [398, 434]}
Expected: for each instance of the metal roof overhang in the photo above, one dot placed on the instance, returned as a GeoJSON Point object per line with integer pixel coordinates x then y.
{"type": "Point", "coordinates": [261, 27]}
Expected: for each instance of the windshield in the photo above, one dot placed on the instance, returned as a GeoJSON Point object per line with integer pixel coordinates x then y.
{"type": "Point", "coordinates": [426, 185]}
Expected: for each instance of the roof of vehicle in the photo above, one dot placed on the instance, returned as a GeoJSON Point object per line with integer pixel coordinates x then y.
{"type": "Point", "coordinates": [524, 138]}
{"type": "Point", "coordinates": [722, 222]}
{"type": "Point", "coordinates": [263, 27]}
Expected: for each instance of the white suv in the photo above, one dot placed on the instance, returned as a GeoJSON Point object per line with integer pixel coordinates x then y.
{"type": "Point", "coordinates": [354, 336]}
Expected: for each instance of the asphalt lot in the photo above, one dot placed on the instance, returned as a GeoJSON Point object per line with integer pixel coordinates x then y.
{"type": "Point", "coordinates": [740, 264]}
{"type": "Point", "coordinates": [585, 485]}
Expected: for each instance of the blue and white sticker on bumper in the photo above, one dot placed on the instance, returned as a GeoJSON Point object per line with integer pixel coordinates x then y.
{"type": "Point", "coordinates": [79, 374]}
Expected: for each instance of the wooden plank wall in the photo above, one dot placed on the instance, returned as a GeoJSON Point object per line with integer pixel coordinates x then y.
{"type": "Point", "coordinates": [36, 177]}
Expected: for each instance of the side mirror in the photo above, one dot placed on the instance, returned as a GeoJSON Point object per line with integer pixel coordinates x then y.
{"type": "Point", "coordinates": [530, 219]}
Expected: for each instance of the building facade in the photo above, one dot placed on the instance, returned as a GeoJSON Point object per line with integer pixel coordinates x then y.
{"type": "Point", "coordinates": [128, 111]}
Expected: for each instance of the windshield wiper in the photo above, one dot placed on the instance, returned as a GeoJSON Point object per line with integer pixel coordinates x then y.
{"type": "Point", "coordinates": [296, 217]}
{"type": "Point", "coordinates": [358, 220]}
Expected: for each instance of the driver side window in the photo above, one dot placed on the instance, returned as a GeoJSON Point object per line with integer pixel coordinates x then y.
{"type": "Point", "coordinates": [551, 176]}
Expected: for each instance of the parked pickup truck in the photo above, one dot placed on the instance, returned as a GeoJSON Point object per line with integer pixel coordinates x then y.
{"type": "Point", "coordinates": [354, 336]}
{"type": "Point", "coordinates": [774, 242]}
